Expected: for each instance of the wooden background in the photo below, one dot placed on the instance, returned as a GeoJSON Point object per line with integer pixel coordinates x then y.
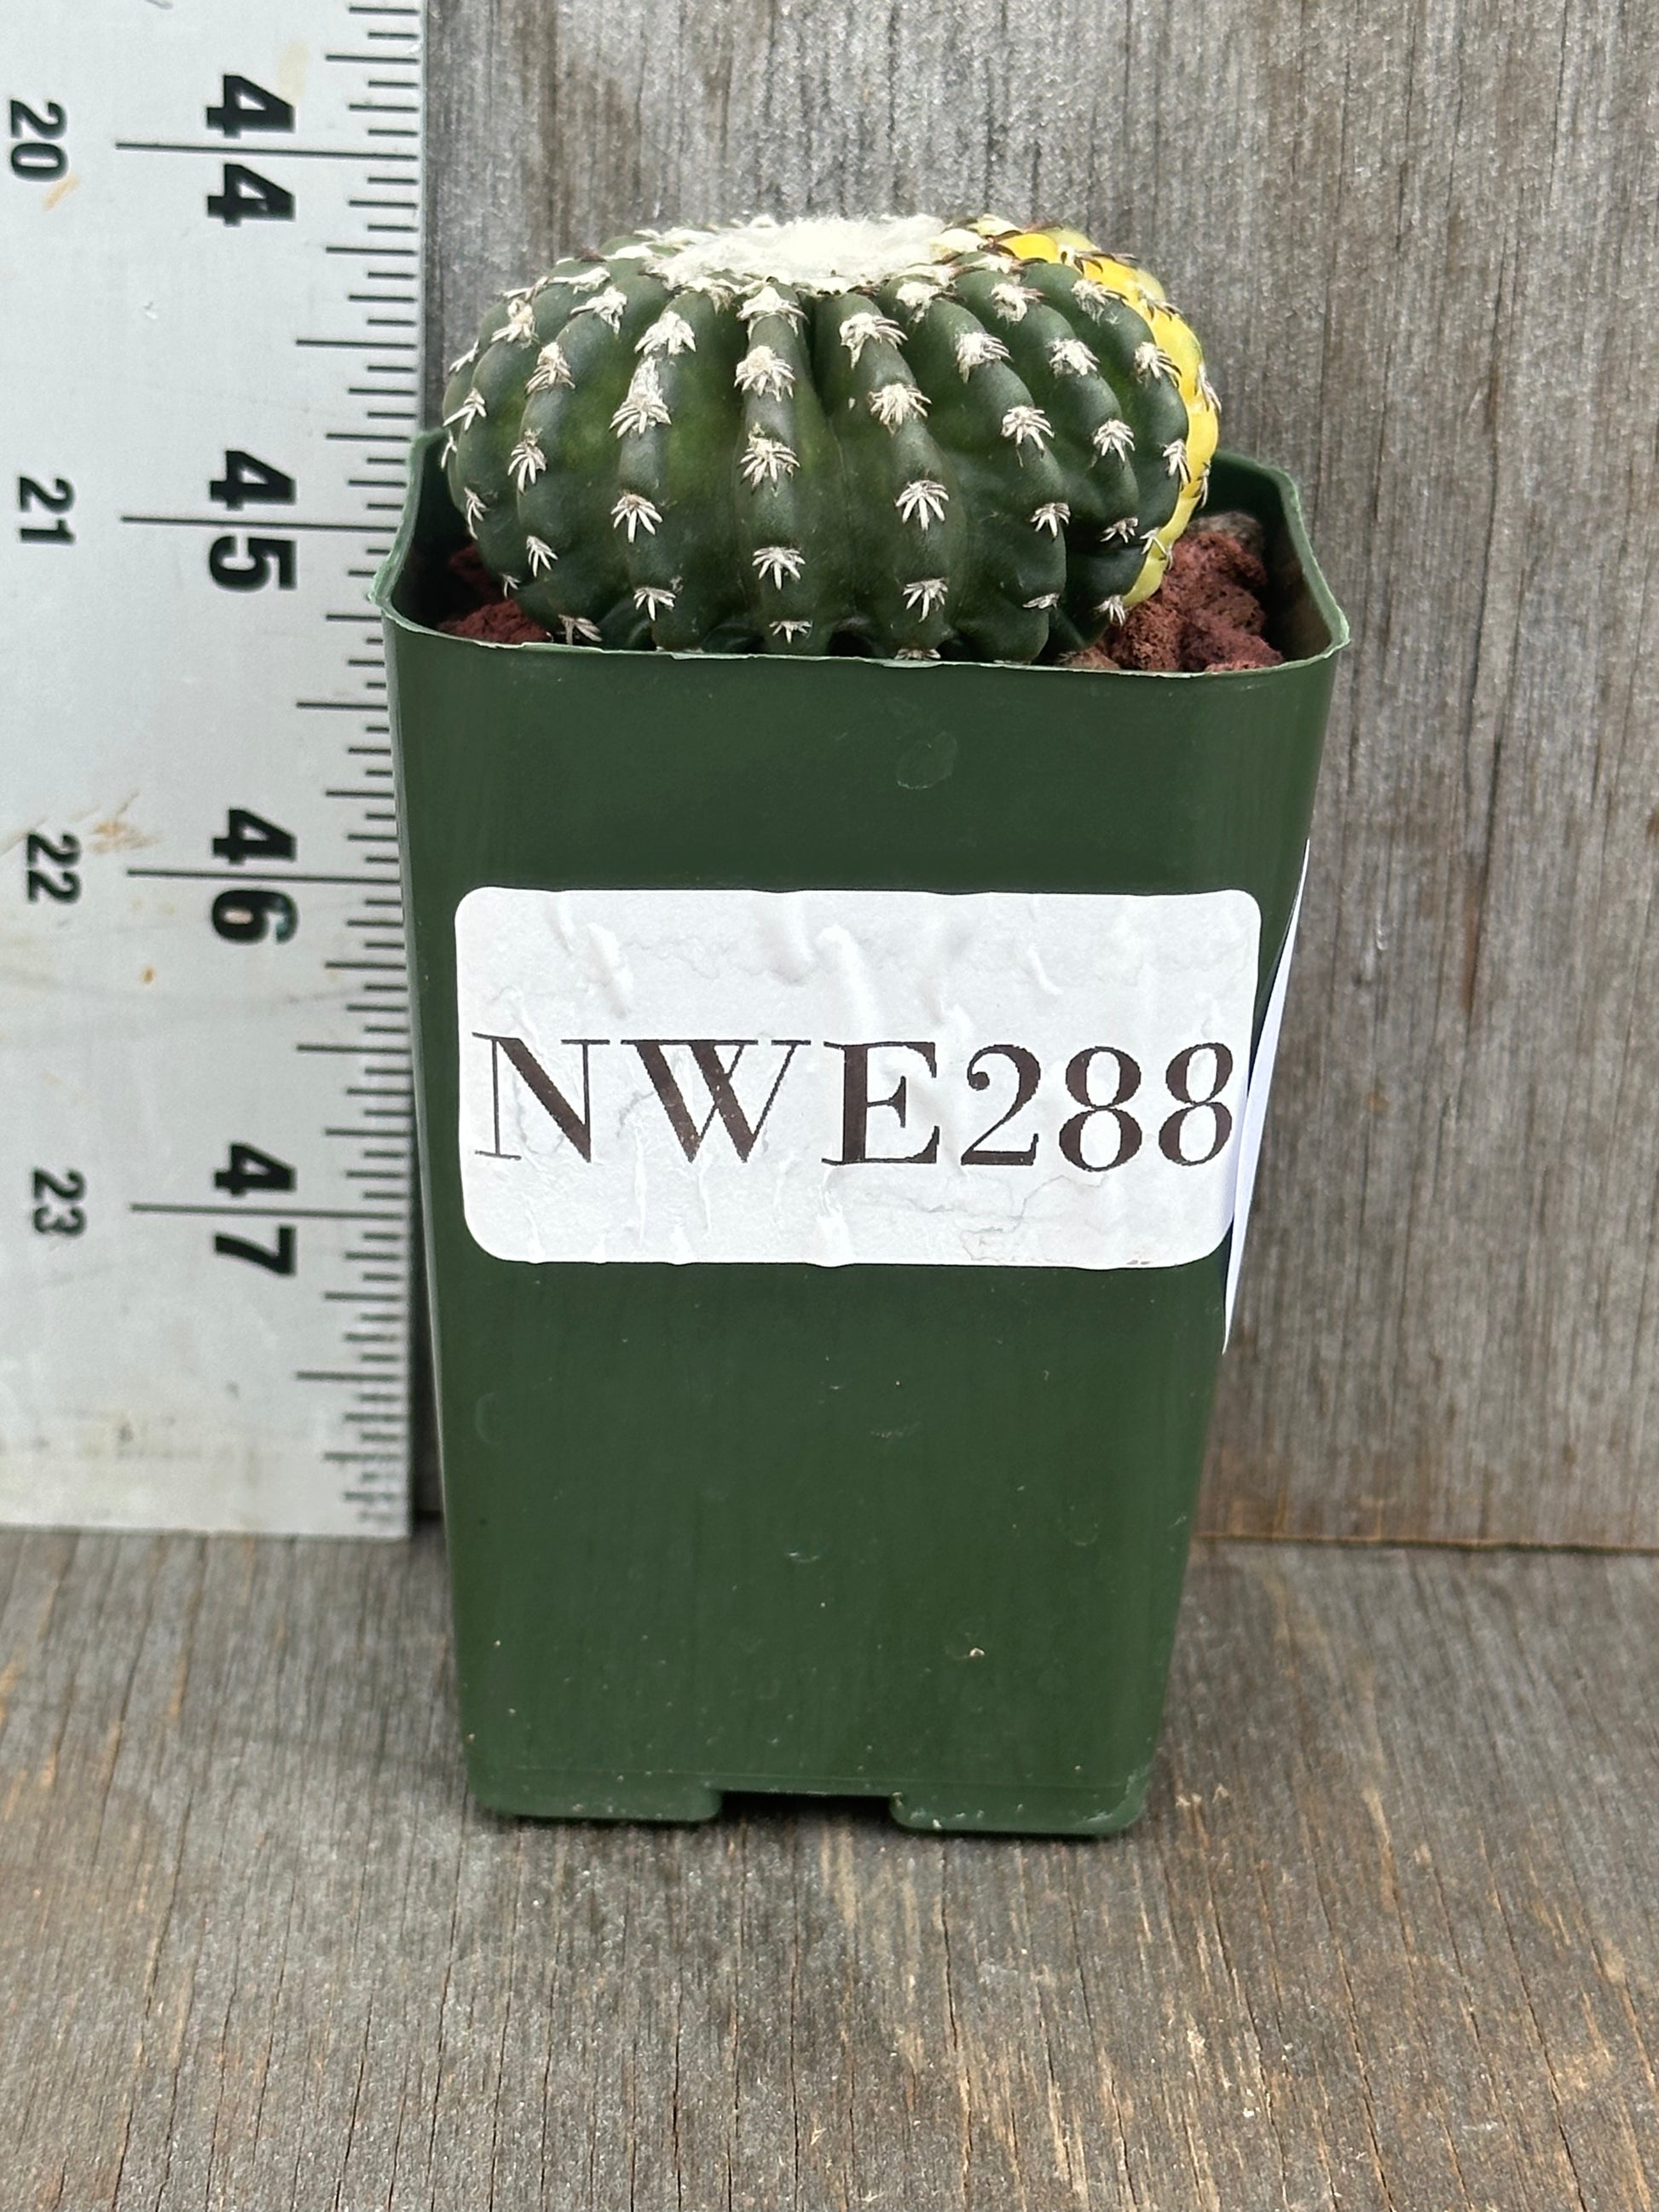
{"type": "Point", "coordinates": [1384, 1941]}
{"type": "Point", "coordinates": [1420, 242]}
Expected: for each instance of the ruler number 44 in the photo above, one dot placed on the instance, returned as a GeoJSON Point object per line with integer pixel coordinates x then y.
{"type": "Point", "coordinates": [244, 196]}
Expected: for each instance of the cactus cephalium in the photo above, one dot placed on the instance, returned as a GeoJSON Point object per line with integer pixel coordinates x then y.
{"type": "Point", "coordinates": [981, 441]}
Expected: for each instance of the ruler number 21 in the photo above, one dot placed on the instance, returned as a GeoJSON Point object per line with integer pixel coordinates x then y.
{"type": "Point", "coordinates": [59, 501]}
{"type": "Point", "coordinates": [244, 196]}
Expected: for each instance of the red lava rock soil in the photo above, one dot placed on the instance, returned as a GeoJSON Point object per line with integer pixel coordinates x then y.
{"type": "Point", "coordinates": [489, 613]}
{"type": "Point", "coordinates": [1208, 614]}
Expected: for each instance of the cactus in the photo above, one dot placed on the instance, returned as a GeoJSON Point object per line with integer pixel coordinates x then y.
{"type": "Point", "coordinates": [979, 442]}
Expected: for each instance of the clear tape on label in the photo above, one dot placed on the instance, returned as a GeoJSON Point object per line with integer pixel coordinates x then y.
{"type": "Point", "coordinates": [1256, 1102]}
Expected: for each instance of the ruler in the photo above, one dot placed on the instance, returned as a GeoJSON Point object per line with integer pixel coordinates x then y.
{"type": "Point", "coordinates": [210, 236]}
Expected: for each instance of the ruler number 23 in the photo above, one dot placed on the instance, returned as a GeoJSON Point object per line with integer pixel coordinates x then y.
{"type": "Point", "coordinates": [56, 1213]}
{"type": "Point", "coordinates": [244, 196]}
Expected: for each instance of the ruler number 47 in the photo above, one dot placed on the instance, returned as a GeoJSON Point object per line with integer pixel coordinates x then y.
{"type": "Point", "coordinates": [248, 1168]}
{"type": "Point", "coordinates": [244, 196]}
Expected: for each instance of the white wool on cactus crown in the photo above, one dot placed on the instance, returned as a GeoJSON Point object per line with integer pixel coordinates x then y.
{"type": "Point", "coordinates": [820, 254]}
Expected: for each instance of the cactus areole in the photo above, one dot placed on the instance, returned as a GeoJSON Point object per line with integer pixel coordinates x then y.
{"type": "Point", "coordinates": [886, 437]}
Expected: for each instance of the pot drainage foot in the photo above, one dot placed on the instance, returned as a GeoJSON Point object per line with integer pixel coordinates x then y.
{"type": "Point", "coordinates": [1068, 1811]}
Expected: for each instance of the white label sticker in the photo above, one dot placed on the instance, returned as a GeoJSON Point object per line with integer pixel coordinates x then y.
{"type": "Point", "coordinates": [905, 1078]}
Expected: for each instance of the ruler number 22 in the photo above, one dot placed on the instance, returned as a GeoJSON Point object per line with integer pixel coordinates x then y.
{"type": "Point", "coordinates": [49, 866]}
{"type": "Point", "coordinates": [244, 196]}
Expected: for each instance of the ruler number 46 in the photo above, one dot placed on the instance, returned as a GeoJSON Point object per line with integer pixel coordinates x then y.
{"type": "Point", "coordinates": [36, 154]}
{"type": "Point", "coordinates": [250, 912]}
{"type": "Point", "coordinates": [244, 196]}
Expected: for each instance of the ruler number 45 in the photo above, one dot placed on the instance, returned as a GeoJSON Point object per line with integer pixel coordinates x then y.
{"type": "Point", "coordinates": [249, 564]}
{"type": "Point", "coordinates": [244, 196]}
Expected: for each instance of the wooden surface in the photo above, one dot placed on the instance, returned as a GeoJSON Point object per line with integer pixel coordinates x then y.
{"type": "Point", "coordinates": [1422, 243]}
{"type": "Point", "coordinates": [1386, 1939]}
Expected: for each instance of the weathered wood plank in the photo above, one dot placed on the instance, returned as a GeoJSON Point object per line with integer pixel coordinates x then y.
{"type": "Point", "coordinates": [1419, 241]}
{"type": "Point", "coordinates": [1387, 1936]}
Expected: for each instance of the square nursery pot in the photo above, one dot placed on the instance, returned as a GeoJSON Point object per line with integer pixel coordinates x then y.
{"type": "Point", "coordinates": [827, 1414]}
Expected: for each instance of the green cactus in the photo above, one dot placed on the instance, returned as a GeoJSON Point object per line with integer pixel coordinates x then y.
{"type": "Point", "coordinates": [978, 442]}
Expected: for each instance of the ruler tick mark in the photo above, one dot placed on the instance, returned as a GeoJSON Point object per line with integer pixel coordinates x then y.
{"type": "Point", "coordinates": [369, 1051]}
{"type": "Point", "coordinates": [267, 1212]}
{"type": "Point", "coordinates": [217, 522]}
{"type": "Point", "coordinates": [270, 153]}
{"type": "Point", "coordinates": [247, 876]}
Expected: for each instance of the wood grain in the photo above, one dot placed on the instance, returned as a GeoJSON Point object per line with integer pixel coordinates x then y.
{"type": "Point", "coordinates": [1387, 1937]}
{"type": "Point", "coordinates": [1419, 242]}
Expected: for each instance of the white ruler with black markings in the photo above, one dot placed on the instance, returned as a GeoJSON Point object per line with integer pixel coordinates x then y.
{"type": "Point", "coordinates": [210, 239]}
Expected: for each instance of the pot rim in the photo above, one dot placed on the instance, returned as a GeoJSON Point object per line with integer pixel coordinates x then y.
{"type": "Point", "coordinates": [1227, 464]}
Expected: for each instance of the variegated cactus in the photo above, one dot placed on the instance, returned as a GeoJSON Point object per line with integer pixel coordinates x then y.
{"type": "Point", "coordinates": [914, 440]}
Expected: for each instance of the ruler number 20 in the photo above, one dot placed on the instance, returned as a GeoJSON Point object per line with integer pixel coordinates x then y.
{"type": "Point", "coordinates": [36, 154]}
{"type": "Point", "coordinates": [244, 196]}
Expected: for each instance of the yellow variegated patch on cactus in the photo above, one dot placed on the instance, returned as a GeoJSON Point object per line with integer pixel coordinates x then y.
{"type": "Point", "coordinates": [1143, 292]}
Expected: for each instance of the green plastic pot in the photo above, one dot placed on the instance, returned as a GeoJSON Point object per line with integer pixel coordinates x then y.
{"type": "Point", "coordinates": [913, 1532]}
